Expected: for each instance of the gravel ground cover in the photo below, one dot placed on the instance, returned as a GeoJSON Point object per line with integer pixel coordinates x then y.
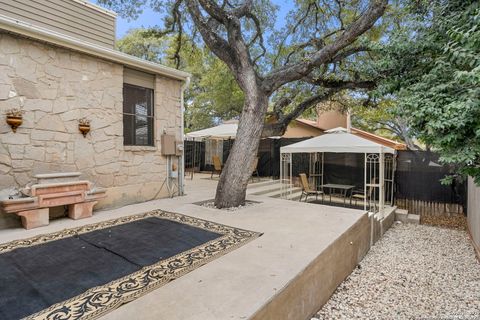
{"type": "Point", "coordinates": [413, 272]}
{"type": "Point", "coordinates": [455, 221]}
{"type": "Point", "coordinates": [211, 204]}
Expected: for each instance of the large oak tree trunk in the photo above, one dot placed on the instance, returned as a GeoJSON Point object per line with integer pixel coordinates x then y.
{"type": "Point", "coordinates": [231, 189]}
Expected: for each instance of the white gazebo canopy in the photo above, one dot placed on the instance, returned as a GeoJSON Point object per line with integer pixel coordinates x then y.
{"type": "Point", "coordinates": [226, 130]}
{"type": "Point", "coordinates": [338, 141]}
{"type": "Point", "coordinates": [379, 166]}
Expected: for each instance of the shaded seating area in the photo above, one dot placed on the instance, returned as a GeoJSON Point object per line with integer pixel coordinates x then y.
{"type": "Point", "coordinates": [212, 152]}
{"type": "Point", "coordinates": [344, 190]}
{"type": "Point", "coordinates": [214, 139]}
{"type": "Point", "coordinates": [363, 170]}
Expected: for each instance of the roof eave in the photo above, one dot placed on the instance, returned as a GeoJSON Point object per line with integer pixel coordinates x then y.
{"type": "Point", "coordinates": [382, 140]}
{"type": "Point", "coordinates": [42, 34]}
{"type": "Point", "coordinates": [302, 121]}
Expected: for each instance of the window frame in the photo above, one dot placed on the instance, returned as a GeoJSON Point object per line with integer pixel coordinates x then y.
{"type": "Point", "coordinates": [135, 115]}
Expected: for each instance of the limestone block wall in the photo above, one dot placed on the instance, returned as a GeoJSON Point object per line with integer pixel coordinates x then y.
{"type": "Point", "coordinates": [55, 87]}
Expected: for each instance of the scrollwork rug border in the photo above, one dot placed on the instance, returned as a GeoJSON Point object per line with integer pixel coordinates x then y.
{"type": "Point", "coordinates": [100, 300]}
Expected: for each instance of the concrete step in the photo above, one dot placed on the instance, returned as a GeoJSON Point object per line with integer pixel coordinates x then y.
{"type": "Point", "coordinates": [277, 193]}
{"type": "Point", "coordinates": [295, 195]}
{"type": "Point", "coordinates": [272, 189]}
{"type": "Point", "coordinates": [403, 216]}
{"type": "Point", "coordinates": [254, 184]}
{"type": "Point", "coordinates": [261, 190]}
{"type": "Point", "coordinates": [413, 218]}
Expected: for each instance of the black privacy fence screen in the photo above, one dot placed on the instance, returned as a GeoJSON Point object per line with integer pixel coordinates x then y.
{"type": "Point", "coordinates": [418, 175]}
{"type": "Point", "coordinates": [419, 189]}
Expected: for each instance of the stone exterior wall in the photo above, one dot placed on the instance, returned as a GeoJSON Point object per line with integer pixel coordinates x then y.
{"type": "Point", "coordinates": [55, 87]}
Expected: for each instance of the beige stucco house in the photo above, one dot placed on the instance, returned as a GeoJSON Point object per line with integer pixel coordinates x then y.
{"type": "Point", "coordinates": [58, 65]}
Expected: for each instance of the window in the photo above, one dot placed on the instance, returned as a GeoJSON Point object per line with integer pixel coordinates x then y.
{"type": "Point", "coordinates": [137, 116]}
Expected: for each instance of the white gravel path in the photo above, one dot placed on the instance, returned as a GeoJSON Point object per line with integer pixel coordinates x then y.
{"type": "Point", "coordinates": [413, 272]}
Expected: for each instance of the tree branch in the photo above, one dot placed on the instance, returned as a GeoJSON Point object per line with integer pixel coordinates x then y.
{"type": "Point", "coordinates": [279, 127]}
{"type": "Point", "coordinates": [297, 71]}
{"type": "Point", "coordinates": [234, 51]}
{"type": "Point", "coordinates": [341, 84]}
{"type": "Point", "coordinates": [346, 53]}
{"type": "Point", "coordinates": [214, 11]}
{"type": "Point", "coordinates": [216, 44]}
{"type": "Point", "coordinates": [292, 30]}
{"type": "Point", "coordinates": [258, 35]}
{"type": "Point", "coordinates": [243, 10]}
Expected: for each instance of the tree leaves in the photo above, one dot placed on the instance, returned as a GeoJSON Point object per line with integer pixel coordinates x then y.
{"type": "Point", "coordinates": [437, 80]}
{"type": "Point", "coordinates": [213, 94]}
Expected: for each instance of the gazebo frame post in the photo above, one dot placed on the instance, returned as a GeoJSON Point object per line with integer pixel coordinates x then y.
{"type": "Point", "coordinates": [382, 181]}
{"type": "Point", "coordinates": [281, 175]}
{"type": "Point", "coordinates": [323, 172]}
{"type": "Point", "coordinates": [194, 158]}
{"type": "Point", "coordinates": [365, 184]}
{"type": "Point", "coordinates": [290, 181]}
{"type": "Point", "coordinates": [285, 166]}
{"type": "Point", "coordinates": [315, 169]}
{"type": "Point", "coordinates": [394, 169]}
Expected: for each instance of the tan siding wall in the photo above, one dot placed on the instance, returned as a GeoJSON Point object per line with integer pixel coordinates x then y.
{"type": "Point", "coordinates": [66, 17]}
{"type": "Point", "coordinates": [300, 130]}
{"type": "Point", "coordinates": [473, 213]}
{"type": "Point", "coordinates": [331, 119]}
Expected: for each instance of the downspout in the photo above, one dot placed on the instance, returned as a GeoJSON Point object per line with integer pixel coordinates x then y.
{"type": "Point", "coordinates": [181, 173]}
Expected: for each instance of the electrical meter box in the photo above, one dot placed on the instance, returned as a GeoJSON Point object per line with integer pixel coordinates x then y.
{"type": "Point", "coordinates": [178, 148]}
{"type": "Point", "coordinates": [168, 145]}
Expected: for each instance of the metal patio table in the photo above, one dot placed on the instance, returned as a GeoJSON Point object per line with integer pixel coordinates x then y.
{"type": "Point", "coordinates": [344, 188]}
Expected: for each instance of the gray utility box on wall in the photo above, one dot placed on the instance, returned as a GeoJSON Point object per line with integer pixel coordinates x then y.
{"type": "Point", "coordinates": [168, 145]}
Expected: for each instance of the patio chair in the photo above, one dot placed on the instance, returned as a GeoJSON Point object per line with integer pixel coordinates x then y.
{"type": "Point", "coordinates": [359, 194]}
{"type": "Point", "coordinates": [307, 190]}
{"type": "Point", "coordinates": [217, 166]}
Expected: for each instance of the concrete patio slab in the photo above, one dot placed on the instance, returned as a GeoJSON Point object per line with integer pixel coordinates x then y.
{"type": "Point", "coordinates": [288, 273]}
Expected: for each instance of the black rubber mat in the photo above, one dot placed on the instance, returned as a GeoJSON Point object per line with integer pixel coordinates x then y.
{"type": "Point", "coordinates": [36, 277]}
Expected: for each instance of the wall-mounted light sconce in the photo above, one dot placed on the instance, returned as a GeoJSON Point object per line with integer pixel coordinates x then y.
{"type": "Point", "coordinates": [84, 126]}
{"type": "Point", "coordinates": [14, 118]}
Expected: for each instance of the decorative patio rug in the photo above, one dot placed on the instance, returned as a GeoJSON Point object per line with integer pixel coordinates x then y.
{"type": "Point", "coordinates": [85, 272]}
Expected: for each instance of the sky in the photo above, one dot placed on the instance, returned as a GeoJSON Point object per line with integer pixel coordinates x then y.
{"type": "Point", "coordinates": [150, 18]}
